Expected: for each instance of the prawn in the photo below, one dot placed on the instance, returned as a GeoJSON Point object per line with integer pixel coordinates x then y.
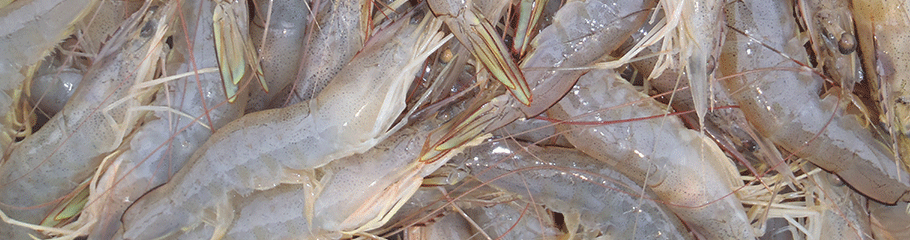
{"type": "Point", "coordinates": [692, 29]}
{"type": "Point", "coordinates": [263, 149]}
{"type": "Point", "coordinates": [597, 28]}
{"type": "Point", "coordinates": [64, 153]}
{"type": "Point", "coordinates": [578, 194]}
{"type": "Point", "coordinates": [339, 37]}
{"type": "Point", "coordinates": [890, 221]}
{"type": "Point", "coordinates": [278, 39]}
{"type": "Point", "coordinates": [844, 213]}
{"type": "Point", "coordinates": [356, 194]}
{"type": "Point", "coordinates": [880, 27]}
{"type": "Point", "coordinates": [30, 31]}
{"type": "Point", "coordinates": [788, 110]}
{"type": "Point", "coordinates": [236, 55]}
{"type": "Point", "coordinates": [830, 27]}
{"type": "Point", "coordinates": [475, 31]}
{"type": "Point", "coordinates": [164, 141]}
{"type": "Point", "coordinates": [660, 154]}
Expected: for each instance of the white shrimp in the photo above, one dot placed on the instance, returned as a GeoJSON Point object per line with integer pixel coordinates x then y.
{"type": "Point", "coordinates": [882, 34]}
{"type": "Point", "coordinates": [357, 193]}
{"type": "Point", "coordinates": [514, 220]}
{"type": "Point", "coordinates": [473, 27]}
{"type": "Point", "coordinates": [53, 83]}
{"type": "Point", "coordinates": [279, 44]}
{"type": "Point", "coordinates": [272, 214]}
{"type": "Point", "coordinates": [446, 227]}
{"type": "Point", "coordinates": [684, 169]}
{"type": "Point", "coordinates": [29, 31]}
{"type": "Point", "coordinates": [161, 145]}
{"type": "Point", "coordinates": [784, 105]}
{"type": "Point", "coordinates": [260, 150]}
{"type": "Point", "coordinates": [581, 33]}
{"type": "Point", "coordinates": [65, 152]}
{"type": "Point", "coordinates": [96, 27]}
{"type": "Point", "coordinates": [339, 37]}
{"type": "Point", "coordinates": [579, 196]}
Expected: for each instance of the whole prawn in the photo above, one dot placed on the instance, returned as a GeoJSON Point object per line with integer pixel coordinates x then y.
{"type": "Point", "coordinates": [660, 154]}
{"type": "Point", "coordinates": [261, 150]}
{"type": "Point", "coordinates": [356, 194]}
{"type": "Point", "coordinates": [580, 194]}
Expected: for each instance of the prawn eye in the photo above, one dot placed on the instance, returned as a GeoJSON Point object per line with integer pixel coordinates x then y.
{"type": "Point", "coordinates": [417, 17]}
{"type": "Point", "coordinates": [446, 56]}
{"type": "Point", "coordinates": [148, 29]}
{"type": "Point", "coordinates": [836, 180]}
{"type": "Point", "coordinates": [847, 43]}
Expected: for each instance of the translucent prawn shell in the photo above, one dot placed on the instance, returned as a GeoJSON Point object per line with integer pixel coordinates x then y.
{"type": "Point", "coordinates": [685, 170]}
{"type": "Point", "coordinates": [30, 30]}
{"type": "Point", "coordinates": [514, 220]}
{"type": "Point", "coordinates": [354, 193]}
{"type": "Point", "coordinates": [783, 104]}
{"type": "Point", "coordinates": [267, 148]}
{"type": "Point", "coordinates": [606, 202]}
{"type": "Point", "coordinates": [333, 44]}
{"type": "Point", "coordinates": [280, 54]}
{"type": "Point", "coordinates": [843, 211]}
{"type": "Point", "coordinates": [163, 143]}
{"type": "Point", "coordinates": [65, 152]}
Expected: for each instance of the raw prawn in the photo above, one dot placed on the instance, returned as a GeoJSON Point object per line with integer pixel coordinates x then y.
{"type": "Point", "coordinates": [581, 33]}
{"type": "Point", "coordinates": [784, 105]}
{"type": "Point", "coordinates": [164, 141]}
{"type": "Point", "coordinates": [830, 27]}
{"type": "Point", "coordinates": [30, 30]}
{"type": "Point", "coordinates": [687, 171]}
{"type": "Point", "coordinates": [694, 29]}
{"type": "Point", "coordinates": [279, 45]}
{"type": "Point", "coordinates": [881, 29]}
{"type": "Point", "coordinates": [65, 152]}
{"type": "Point", "coordinates": [580, 196]}
{"type": "Point", "coordinates": [339, 37]}
{"type": "Point", "coordinates": [261, 150]}
{"type": "Point", "coordinates": [475, 31]}
{"type": "Point", "coordinates": [356, 194]}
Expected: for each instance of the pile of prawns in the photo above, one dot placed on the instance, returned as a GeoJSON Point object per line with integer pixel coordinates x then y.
{"type": "Point", "coordinates": [454, 119]}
